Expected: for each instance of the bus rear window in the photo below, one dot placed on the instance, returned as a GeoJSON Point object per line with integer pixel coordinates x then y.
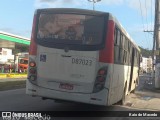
{"type": "Point", "coordinates": [70, 28]}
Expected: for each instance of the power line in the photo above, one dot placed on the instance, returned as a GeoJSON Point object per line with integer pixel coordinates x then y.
{"type": "Point", "coordinates": [146, 14]}
{"type": "Point", "coordinates": [151, 14]}
{"type": "Point", "coordinates": [141, 13]}
{"type": "Point", "coordinates": [143, 21]}
{"type": "Point", "coordinates": [147, 22]}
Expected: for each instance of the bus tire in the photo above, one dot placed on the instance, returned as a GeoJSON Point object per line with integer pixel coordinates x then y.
{"type": "Point", "coordinates": [136, 84]}
{"type": "Point", "coordinates": [123, 101]}
{"type": "Point", "coordinates": [133, 91]}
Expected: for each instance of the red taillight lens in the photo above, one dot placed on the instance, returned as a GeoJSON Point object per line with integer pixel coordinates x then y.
{"type": "Point", "coordinates": [32, 71]}
{"type": "Point", "coordinates": [101, 72]}
{"type": "Point", "coordinates": [101, 79]}
{"type": "Point", "coordinates": [32, 64]}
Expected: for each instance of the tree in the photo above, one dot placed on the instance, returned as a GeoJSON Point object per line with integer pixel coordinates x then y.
{"type": "Point", "coordinates": [20, 48]}
{"type": "Point", "coordinates": [145, 52]}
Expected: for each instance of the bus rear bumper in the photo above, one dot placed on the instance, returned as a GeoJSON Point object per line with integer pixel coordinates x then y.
{"type": "Point", "coordinates": [99, 98]}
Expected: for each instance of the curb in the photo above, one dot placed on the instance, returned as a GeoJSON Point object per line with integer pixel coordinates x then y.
{"type": "Point", "coordinates": [12, 80]}
{"type": "Point", "coordinates": [13, 75]}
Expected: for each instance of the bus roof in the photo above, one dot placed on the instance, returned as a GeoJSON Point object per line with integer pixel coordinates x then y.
{"type": "Point", "coordinates": [71, 10]}
{"type": "Point", "coordinates": [123, 30]}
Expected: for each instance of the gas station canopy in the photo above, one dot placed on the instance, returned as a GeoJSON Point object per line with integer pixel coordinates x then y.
{"type": "Point", "coordinates": [8, 40]}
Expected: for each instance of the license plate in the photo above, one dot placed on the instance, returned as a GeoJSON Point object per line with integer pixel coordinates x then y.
{"type": "Point", "coordinates": [66, 86]}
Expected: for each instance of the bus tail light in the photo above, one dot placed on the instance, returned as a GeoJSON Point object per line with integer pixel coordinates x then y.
{"type": "Point", "coordinates": [102, 72]}
{"type": "Point", "coordinates": [33, 77]}
{"type": "Point", "coordinates": [100, 79]}
{"type": "Point", "coordinates": [32, 70]}
{"type": "Point", "coordinates": [32, 64]}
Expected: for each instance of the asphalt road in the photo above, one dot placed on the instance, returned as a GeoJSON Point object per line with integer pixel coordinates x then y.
{"type": "Point", "coordinates": [17, 100]}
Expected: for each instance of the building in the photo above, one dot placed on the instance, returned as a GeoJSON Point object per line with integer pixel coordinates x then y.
{"type": "Point", "coordinates": [146, 65]}
{"type": "Point", "coordinates": [5, 55]}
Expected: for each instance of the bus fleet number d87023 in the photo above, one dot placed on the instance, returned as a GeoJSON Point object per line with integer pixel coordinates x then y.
{"type": "Point", "coordinates": [81, 61]}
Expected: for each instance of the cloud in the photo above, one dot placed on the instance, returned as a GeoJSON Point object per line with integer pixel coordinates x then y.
{"type": "Point", "coordinates": [73, 3]}
{"type": "Point", "coordinates": [58, 3]}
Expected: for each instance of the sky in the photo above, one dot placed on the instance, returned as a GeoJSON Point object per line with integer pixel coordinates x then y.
{"type": "Point", "coordinates": [16, 16]}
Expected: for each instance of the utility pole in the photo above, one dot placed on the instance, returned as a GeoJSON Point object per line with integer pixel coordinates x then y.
{"type": "Point", "coordinates": [157, 41]}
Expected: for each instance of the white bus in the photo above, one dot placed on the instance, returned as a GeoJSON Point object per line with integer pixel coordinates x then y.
{"type": "Point", "coordinates": [82, 56]}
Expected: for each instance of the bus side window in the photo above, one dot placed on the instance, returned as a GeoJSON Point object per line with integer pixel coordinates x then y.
{"type": "Point", "coordinates": [130, 55]}
{"type": "Point", "coordinates": [123, 47]}
{"type": "Point", "coordinates": [125, 50]}
{"type": "Point", "coordinates": [135, 58]}
{"type": "Point", "coordinates": [118, 37]}
{"type": "Point", "coordinates": [120, 56]}
{"type": "Point", "coordinates": [116, 45]}
{"type": "Point", "coordinates": [126, 44]}
{"type": "Point", "coordinates": [129, 47]}
{"type": "Point", "coordinates": [122, 41]}
{"type": "Point", "coordinates": [138, 59]}
{"type": "Point", "coordinates": [115, 36]}
{"type": "Point", "coordinates": [125, 57]}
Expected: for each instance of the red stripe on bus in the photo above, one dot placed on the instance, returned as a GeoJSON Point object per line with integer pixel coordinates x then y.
{"type": "Point", "coordinates": [33, 45]}
{"type": "Point", "coordinates": [107, 54]}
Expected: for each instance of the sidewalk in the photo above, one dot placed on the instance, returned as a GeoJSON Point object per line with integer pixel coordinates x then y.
{"type": "Point", "coordinates": [144, 102]}
{"type": "Point", "coordinates": [147, 84]}
{"type": "Point", "coordinates": [146, 96]}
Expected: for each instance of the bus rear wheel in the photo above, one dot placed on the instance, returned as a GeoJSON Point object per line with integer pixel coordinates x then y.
{"type": "Point", "coordinates": [136, 84]}
{"type": "Point", "coordinates": [123, 101]}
